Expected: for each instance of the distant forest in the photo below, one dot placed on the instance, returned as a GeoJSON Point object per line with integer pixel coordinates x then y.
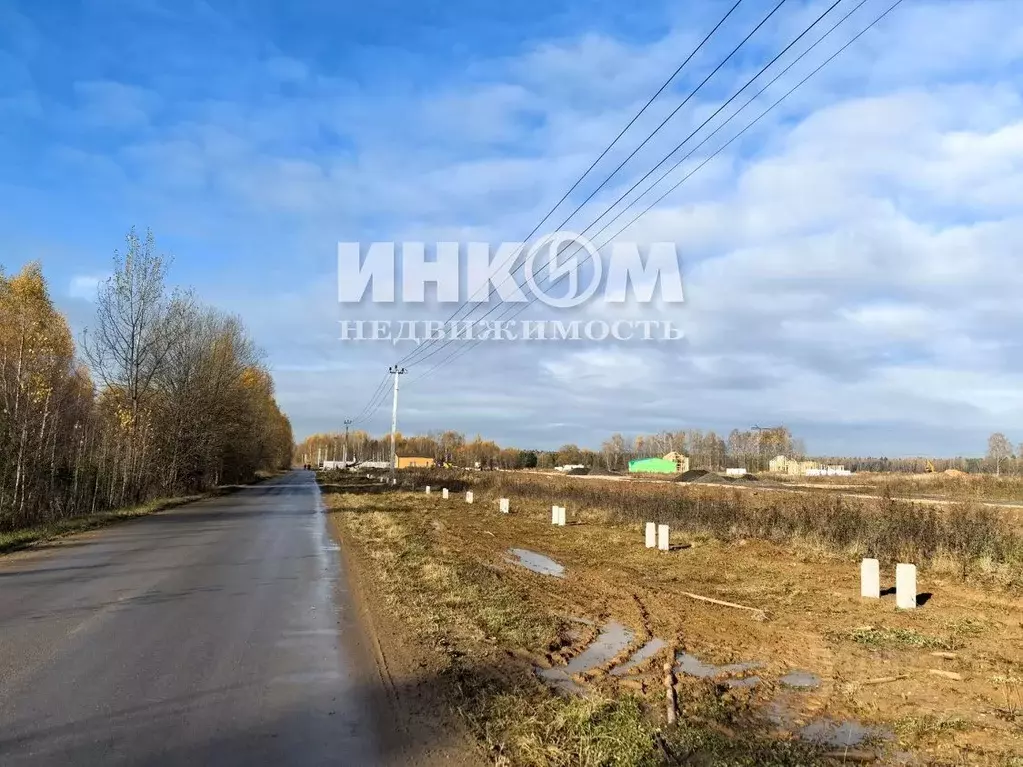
{"type": "Point", "coordinates": [750, 449]}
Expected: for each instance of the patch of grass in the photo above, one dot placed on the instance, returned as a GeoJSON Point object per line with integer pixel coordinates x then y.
{"type": "Point", "coordinates": [880, 637]}
{"type": "Point", "coordinates": [1011, 697]}
{"type": "Point", "coordinates": [914, 728]}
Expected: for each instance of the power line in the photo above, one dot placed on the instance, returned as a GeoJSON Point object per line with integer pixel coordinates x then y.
{"type": "Point", "coordinates": [460, 351]}
{"type": "Point", "coordinates": [708, 137]}
{"type": "Point", "coordinates": [407, 359]}
{"type": "Point", "coordinates": [504, 307]}
{"type": "Point", "coordinates": [369, 408]}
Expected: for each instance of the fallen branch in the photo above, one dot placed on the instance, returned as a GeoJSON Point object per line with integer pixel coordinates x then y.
{"type": "Point", "coordinates": [669, 691]}
{"type": "Point", "coordinates": [758, 613]}
{"type": "Point", "coordinates": [945, 655]}
{"type": "Point", "coordinates": [882, 680]}
{"type": "Point", "coordinates": [946, 674]}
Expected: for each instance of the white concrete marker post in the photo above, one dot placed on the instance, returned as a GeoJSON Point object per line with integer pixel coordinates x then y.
{"type": "Point", "coordinates": [651, 535]}
{"type": "Point", "coordinates": [870, 579]}
{"type": "Point", "coordinates": [905, 586]}
{"type": "Point", "coordinates": [662, 538]}
{"type": "Point", "coordinates": [554, 515]}
{"type": "Point", "coordinates": [427, 489]}
{"type": "Point", "coordinates": [444, 493]}
{"type": "Point", "coordinates": [504, 505]}
{"type": "Point", "coordinates": [561, 516]}
{"type": "Point", "coordinates": [468, 497]}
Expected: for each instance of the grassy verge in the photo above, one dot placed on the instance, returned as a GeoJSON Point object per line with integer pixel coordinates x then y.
{"type": "Point", "coordinates": [22, 538]}
{"type": "Point", "coordinates": [487, 627]}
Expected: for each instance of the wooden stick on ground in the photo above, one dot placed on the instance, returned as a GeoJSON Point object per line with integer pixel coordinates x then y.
{"type": "Point", "coordinates": [756, 610]}
{"type": "Point", "coordinates": [882, 680]}
{"type": "Point", "coordinates": [669, 691]}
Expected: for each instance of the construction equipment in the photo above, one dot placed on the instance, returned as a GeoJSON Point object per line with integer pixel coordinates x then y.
{"type": "Point", "coordinates": [929, 468]}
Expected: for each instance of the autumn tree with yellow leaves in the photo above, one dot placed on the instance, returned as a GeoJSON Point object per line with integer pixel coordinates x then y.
{"type": "Point", "coordinates": [172, 396]}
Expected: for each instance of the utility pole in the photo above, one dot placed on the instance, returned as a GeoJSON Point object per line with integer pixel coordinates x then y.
{"type": "Point", "coordinates": [348, 422]}
{"type": "Point", "coordinates": [395, 371]}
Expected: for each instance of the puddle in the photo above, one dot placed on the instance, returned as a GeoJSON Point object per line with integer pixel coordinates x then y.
{"type": "Point", "coordinates": [804, 680]}
{"type": "Point", "coordinates": [645, 652]}
{"type": "Point", "coordinates": [847, 733]}
{"type": "Point", "coordinates": [612, 640]}
{"type": "Point", "coordinates": [538, 563]}
{"type": "Point", "coordinates": [826, 731]}
{"type": "Point", "coordinates": [693, 666]}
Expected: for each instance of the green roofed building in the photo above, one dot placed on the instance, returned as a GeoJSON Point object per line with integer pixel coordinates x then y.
{"type": "Point", "coordinates": [672, 463]}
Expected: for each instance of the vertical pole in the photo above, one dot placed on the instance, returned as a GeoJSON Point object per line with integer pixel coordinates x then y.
{"type": "Point", "coordinates": [348, 422]}
{"type": "Point", "coordinates": [395, 371]}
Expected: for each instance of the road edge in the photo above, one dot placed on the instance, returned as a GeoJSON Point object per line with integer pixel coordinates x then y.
{"type": "Point", "coordinates": [393, 656]}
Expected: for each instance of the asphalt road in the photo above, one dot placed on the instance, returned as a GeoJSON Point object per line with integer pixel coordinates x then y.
{"type": "Point", "coordinates": [217, 633]}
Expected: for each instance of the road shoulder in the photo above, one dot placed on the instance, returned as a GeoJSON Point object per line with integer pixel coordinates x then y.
{"type": "Point", "coordinates": [410, 677]}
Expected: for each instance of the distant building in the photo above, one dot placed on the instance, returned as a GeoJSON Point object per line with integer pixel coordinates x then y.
{"type": "Point", "coordinates": [782, 465]}
{"type": "Point", "coordinates": [415, 462]}
{"type": "Point", "coordinates": [372, 465]}
{"type": "Point", "coordinates": [672, 463]}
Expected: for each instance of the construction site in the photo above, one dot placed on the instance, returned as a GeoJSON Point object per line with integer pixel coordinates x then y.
{"type": "Point", "coordinates": [746, 631]}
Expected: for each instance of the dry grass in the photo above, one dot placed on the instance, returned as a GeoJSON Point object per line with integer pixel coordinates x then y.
{"type": "Point", "coordinates": [808, 588]}
{"type": "Point", "coordinates": [975, 540]}
{"type": "Point", "coordinates": [486, 622]}
{"type": "Point", "coordinates": [964, 487]}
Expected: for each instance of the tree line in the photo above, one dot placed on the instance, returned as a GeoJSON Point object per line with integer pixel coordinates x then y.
{"type": "Point", "coordinates": [163, 396]}
{"type": "Point", "coordinates": [706, 450]}
{"type": "Point", "coordinates": [751, 449]}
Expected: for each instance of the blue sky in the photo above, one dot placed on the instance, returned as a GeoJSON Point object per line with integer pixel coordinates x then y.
{"type": "Point", "coordinates": [851, 265]}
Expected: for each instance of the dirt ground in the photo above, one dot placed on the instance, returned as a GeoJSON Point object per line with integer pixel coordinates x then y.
{"type": "Point", "coordinates": [942, 684]}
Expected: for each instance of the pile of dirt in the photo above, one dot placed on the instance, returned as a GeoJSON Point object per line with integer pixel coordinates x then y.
{"type": "Point", "coordinates": [954, 473]}
{"type": "Point", "coordinates": [703, 477]}
{"type": "Point", "coordinates": [692, 475]}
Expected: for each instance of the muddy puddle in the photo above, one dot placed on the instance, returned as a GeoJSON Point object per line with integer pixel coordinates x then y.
{"type": "Point", "coordinates": [686, 663]}
{"type": "Point", "coordinates": [538, 563]}
{"type": "Point", "coordinates": [613, 639]}
{"type": "Point", "coordinates": [846, 733]}
{"type": "Point", "coordinates": [641, 655]}
{"type": "Point", "coordinates": [783, 710]}
{"type": "Point", "coordinates": [842, 734]}
{"type": "Point", "coordinates": [801, 680]}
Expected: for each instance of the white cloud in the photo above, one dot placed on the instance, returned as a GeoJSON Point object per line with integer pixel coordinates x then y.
{"type": "Point", "coordinates": [853, 261]}
{"type": "Point", "coordinates": [85, 286]}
